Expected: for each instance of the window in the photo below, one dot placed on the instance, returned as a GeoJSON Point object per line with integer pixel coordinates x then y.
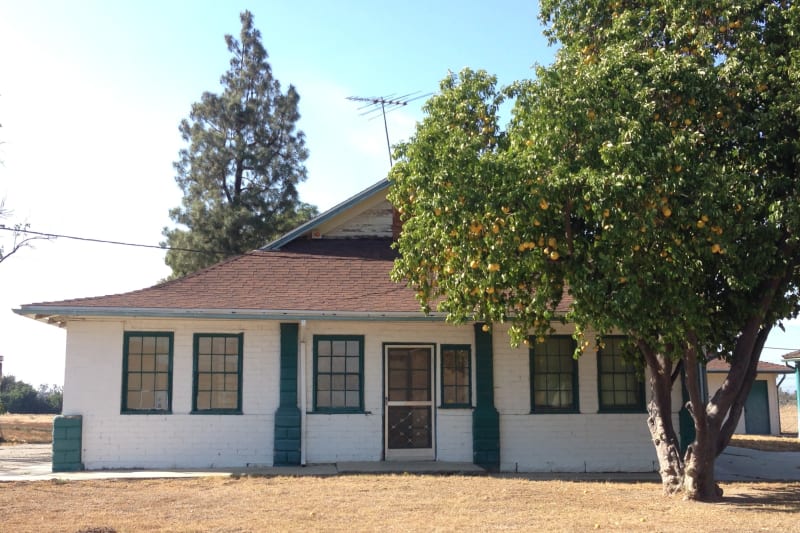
{"type": "Point", "coordinates": [338, 373]}
{"type": "Point", "coordinates": [147, 372]}
{"type": "Point", "coordinates": [621, 390]}
{"type": "Point", "coordinates": [554, 375]}
{"type": "Point", "coordinates": [217, 373]}
{"type": "Point", "coordinates": [456, 376]}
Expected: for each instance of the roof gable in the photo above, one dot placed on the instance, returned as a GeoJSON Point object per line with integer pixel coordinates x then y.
{"type": "Point", "coordinates": [366, 215]}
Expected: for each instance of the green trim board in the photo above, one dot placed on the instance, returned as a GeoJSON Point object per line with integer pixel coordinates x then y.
{"type": "Point", "coordinates": [67, 443]}
{"type": "Point", "coordinates": [485, 418]}
{"type": "Point", "coordinates": [288, 419]}
{"type": "Point", "coordinates": [461, 386]}
{"type": "Point", "coordinates": [146, 375]}
{"type": "Point", "coordinates": [553, 375]}
{"type": "Point", "coordinates": [338, 373]}
{"type": "Point", "coordinates": [217, 373]}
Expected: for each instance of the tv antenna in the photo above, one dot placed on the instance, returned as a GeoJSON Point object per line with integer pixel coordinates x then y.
{"type": "Point", "coordinates": [385, 104]}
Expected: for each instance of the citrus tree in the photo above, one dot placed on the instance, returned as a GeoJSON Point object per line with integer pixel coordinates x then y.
{"type": "Point", "coordinates": [650, 174]}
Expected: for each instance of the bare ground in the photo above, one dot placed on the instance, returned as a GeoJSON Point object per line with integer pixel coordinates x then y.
{"type": "Point", "coordinates": [386, 503]}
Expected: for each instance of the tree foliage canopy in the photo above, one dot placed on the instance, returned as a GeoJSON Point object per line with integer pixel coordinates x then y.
{"type": "Point", "coordinates": [652, 173]}
{"type": "Point", "coordinates": [20, 397]}
{"type": "Point", "coordinates": [240, 172]}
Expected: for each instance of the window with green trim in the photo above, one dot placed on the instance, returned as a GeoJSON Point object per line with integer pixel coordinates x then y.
{"type": "Point", "coordinates": [456, 376]}
{"type": "Point", "coordinates": [619, 385]}
{"type": "Point", "coordinates": [147, 372]}
{"type": "Point", "coordinates": [339, 373]}
{"type": "Point", "coordinates": [217, 373]}
{"type": "Point", "coordinates": [554, 375]}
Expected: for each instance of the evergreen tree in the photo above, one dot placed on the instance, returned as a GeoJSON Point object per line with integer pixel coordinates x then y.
{"type": "Point", "coordinates": [240, 172]}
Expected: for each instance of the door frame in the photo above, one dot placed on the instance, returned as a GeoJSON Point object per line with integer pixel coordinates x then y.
{"type": "Point", "coordinates": [421, 454]}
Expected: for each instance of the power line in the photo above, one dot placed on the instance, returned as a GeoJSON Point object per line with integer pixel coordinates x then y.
{"type": "Point", "coordinates": [105, 241]}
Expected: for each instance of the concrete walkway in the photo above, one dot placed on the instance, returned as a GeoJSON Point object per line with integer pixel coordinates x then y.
{"type": "Point", "coordinates": [744, 464]}
{"type": "Point", "coordinates": [31, 462]}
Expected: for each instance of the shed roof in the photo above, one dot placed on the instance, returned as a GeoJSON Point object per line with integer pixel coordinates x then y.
{"type": "Point", "coordinates": [719, 366]}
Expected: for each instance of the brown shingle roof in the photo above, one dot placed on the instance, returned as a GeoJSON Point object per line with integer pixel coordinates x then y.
{"type": "Point", "coordinates": [764, 367]}
{"type": "Point", "coordinates": [312, 276]}
{"type": "Point", "coordinates": [309, 275]}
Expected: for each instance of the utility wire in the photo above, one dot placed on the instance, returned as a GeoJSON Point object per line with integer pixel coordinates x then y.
{"type": "Point", "coordinates": [104, 241]}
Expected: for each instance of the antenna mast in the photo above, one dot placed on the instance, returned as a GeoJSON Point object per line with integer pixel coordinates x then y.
{"type": "Point", "coordinates": [376, 104]}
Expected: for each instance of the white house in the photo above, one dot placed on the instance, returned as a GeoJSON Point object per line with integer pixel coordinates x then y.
{"type": "Point", "coordinates": [305, 352]}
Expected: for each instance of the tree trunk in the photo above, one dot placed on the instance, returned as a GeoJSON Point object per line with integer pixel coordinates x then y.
{"type": "Point", "coordinates": [699, 483]}
{"type": "Point", "coordinates": [662, 431]}
{"type": "Point", "coordinates": [670, 465]}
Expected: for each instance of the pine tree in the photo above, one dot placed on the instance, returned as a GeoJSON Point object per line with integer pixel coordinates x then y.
{"type": "Point", "coordinates": [244, 159]}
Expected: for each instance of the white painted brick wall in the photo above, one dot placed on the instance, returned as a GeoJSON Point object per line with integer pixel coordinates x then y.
{"type": "Point", "coordinates": [589, 441]}
{"type": "Point", "coordinates": [575, 442]}
{"type": "Point", "coordinates": [359, 437]}
{"type": "Point", "coordinates": [93, 388]}
{"type": "Point", "coordinates": [454, 431]}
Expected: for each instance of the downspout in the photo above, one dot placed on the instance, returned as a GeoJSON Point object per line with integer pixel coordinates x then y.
{"type": "Point", "coordinates": [303, 397]}
{"type": "Point", "coordinates": [796, 388]}
{"type": "Point", "coordinates": [797, 392]}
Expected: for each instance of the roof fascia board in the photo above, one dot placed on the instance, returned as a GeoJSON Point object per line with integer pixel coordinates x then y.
{"type": "Point", "coordinates": [44, 312]}
{"type": "Point", "coordinates": [327, 215]}
{"type": "Point", "coordinates": [758, 371]}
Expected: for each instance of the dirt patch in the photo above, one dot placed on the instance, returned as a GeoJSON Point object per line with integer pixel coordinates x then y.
{"type": "Point", "coordinates": [386, 503]}
{"type": "Point", "coordinates": [26, 429]}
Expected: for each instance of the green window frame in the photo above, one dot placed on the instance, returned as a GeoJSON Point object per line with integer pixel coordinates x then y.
{"type": "Point", "coordinates": [619, 385]}
{"type": "Point", "coordinates": [147, 372]}
{"type": "Point", "coordinates": [338, 373]}
{"type": "Point", "coordinates": [456, 375]}
{"type": "Point", "coordinates": [217, 373]}
{"type": "Point", "coordinates": [553, 375]}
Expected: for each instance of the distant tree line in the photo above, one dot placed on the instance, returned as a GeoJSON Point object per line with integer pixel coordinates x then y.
{"type": "Point", "coordinates": [786, 397]}
{"type": "Point", "coordinates": [20, 397]}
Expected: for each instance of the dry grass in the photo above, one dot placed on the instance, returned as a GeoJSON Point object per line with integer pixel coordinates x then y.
{"type": "Point", "coordinates": [787, 441]}
{"type": "Point", "coordinates": [386, 503]}
{"type": "Point", "coordinates": [26, 429]}
{"type": "Point", "coordinates": [767, 443]}
{"type": "Point", "coordinates": [789, 418]}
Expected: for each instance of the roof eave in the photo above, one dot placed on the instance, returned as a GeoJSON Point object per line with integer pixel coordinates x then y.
{"type": "Point", "coordinates": [792, 357]}
{"type": "Point", "coordinates": [59, 314]}
{"type": "Point", "coordinates": [758, 371]}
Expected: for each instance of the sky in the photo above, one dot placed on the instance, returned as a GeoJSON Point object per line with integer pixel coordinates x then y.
{"type": "Point", "coordinates": [92, 92]}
